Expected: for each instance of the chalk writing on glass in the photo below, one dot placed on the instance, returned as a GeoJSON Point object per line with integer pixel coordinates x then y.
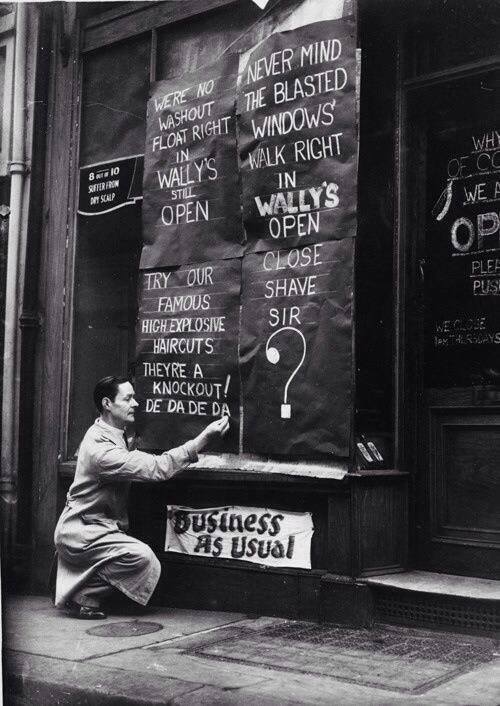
{"type": "Point", "coordinates": [462, 263]}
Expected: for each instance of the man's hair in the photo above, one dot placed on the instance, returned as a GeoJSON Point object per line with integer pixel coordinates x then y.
{"type": "Point", "coordinates": [107, 387]}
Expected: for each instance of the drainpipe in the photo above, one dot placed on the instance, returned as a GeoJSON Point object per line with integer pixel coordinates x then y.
{"type": "Point", "coordinates": [14, 288]}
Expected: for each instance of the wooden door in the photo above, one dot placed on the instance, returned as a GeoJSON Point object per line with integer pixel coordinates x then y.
{"type": "Point", "coordinates": [453, 233]}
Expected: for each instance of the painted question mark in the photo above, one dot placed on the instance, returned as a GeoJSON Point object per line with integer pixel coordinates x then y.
{"type": "Point", "coordinates": [273, 356]}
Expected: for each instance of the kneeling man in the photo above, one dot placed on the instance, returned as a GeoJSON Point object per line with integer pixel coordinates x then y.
{"type": "Point", "coordinates": [95, 554]}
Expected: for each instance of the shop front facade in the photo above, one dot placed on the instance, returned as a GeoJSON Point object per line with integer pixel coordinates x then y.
{"type": "Point", "coordinates": [356, 352]}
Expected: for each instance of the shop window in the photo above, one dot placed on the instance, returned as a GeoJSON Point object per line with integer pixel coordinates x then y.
{"type": "Point", "coordinates": [446, 33]}
{"type": "Point", "coordinates": [186, 47]}
{"type": "Point", "coordinates": [454, 124]}
{"type": "Point", "coordinates": [107, 244]}
{"type": "Point", "coordinates": [114, 96]}
{"type": "Point", "coordinates": [374, 279]}
{"type": "Point", "coordinates": [113, 120]}
{"type": "Point", "coordinates": [113, 99]}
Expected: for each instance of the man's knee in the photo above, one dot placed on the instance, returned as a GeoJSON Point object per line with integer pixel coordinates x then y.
{"type": "Point", "coordinates": [144, 557]}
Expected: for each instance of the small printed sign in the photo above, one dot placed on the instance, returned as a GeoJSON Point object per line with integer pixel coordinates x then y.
{"type": "Point", "coordinates": [108, 186]}
{"type": "Point", "coordinates": [258, 535]}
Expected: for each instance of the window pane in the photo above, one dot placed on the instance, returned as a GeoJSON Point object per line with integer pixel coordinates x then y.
{"type": "Point", "coordinates": [114, 96]}
{"type": "Point", "coordinates": [187, 46]}
{"type": "Point", "coordinates": [445, 33]}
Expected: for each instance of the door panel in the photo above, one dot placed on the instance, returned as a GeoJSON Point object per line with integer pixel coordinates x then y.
{"type": "Point", "coordinates": [454, 218]}
{"type": "Point", "coordinates": [462, 531]}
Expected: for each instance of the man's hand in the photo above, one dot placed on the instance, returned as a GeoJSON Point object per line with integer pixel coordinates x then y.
{"type": "Point", "coordinates": [215, 429]}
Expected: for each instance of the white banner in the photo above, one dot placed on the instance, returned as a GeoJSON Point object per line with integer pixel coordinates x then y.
{"type": "Point", "coordinates": [259, 535]}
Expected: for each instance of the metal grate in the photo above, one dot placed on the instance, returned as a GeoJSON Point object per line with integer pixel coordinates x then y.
{"type": "Point", "coordinates": [401, 659]}
{"type": "Point", "coordinates": [130, 628]}
{"type": "Point", "coordinates": [432, 610]}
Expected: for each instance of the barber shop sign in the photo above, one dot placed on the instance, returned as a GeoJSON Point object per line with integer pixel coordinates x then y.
{"type": "Point", "coordinates": [259, 535]}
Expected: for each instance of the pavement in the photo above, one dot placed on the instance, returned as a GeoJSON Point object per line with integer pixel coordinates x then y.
{"type": "Point", "coordinates": [188, 658]}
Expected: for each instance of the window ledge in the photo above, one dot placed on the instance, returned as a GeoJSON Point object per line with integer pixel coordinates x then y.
{"type": "Point", "coordinates": [234, 467]}
{"type": "Point", "coordinates": [336, 470]}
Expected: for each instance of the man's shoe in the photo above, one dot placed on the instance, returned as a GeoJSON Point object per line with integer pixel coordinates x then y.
{"type": "Point", "coordinates": [84, 612]}
{"type": "Point", "coordinates": [87, 613]}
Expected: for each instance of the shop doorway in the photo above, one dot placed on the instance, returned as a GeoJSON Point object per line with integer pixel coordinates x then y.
{"type": "Point", "coordinates": [452, 235]}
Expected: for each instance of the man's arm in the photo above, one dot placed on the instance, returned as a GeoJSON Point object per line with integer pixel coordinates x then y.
{"type": "Point", "coordinates": [117, 463]}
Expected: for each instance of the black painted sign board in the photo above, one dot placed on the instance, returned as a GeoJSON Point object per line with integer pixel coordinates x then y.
{"type": "Point", "coordinates": [191, 210]}
{"type": "Point", "coordinates": [187, 344]}
{"type": "Point", "coordinates": [462, 264]}
{"type": "Point", "coordinates": [295, 350]}
{"type": "Point", "coordinates": [252, 180]}
{"type": "Point", "coordinates": [297, 137]}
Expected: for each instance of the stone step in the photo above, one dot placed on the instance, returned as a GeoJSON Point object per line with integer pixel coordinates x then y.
{"type": "Point", "coordinates": [444, 584]}
{"type": "Point", "coordinates": [434, 600]}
